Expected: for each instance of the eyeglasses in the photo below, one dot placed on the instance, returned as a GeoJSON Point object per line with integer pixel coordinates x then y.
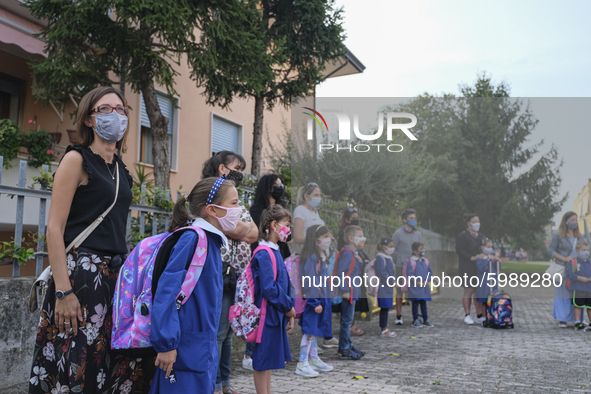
{"type": "Point", "coordinates": [107, 109]}
{"type": "Point", "coordinates": [352, 210]}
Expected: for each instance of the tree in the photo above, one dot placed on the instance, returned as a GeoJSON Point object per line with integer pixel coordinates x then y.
{"type": "Point", "coordinates": [138, 42]}
{"type": "Point", "coordinates": [481, 141]}
{"type": "Point", "coordinates": [299, 37]}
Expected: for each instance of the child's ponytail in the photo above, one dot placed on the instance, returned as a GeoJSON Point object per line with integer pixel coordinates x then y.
{"type": "Point", "coordinates": [180, 215]}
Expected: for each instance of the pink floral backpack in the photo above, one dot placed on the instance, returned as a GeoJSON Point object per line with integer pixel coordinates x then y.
{"type": "Point", "coordinates": [137, 284]}
{"type": "Point", "coordinates": [247, 321]}
{"type": "Point", "coordinates": [292, 264]}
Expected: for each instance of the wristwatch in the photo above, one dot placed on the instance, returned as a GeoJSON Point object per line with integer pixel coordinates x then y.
{"type": "Point", "coordinates": [59, 294]}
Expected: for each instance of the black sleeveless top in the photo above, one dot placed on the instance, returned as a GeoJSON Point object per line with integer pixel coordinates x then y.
{"type": "Point", "coordinates": [92, 199]}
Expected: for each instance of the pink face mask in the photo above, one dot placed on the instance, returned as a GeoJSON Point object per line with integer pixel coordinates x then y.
{"type": "Point", "coordinates": [230, 221]}
{"type": "Point", "coordinates": [283, 233]}
{"type": "Point", "coordinates": [324, 243]}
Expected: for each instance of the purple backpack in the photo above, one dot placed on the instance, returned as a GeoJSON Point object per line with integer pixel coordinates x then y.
{"type": "Point", "coordinates": [247, 321]}
{"type": "Point", "coordinates": [137, 284]}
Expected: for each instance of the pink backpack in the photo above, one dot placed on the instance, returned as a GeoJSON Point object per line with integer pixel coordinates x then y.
{"type": "Point", "coordinates": [293, 269]}
{"type": "Point", "coordinates": [413, 265]}
{"type": "Point", "coordinates": [247, 321]}
{"type": "Point", "coordinates": [137, 284]}
{"type": "Point", "coordinates": [370, 271]}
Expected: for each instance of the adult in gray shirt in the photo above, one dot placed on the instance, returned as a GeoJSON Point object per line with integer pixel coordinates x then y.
{"type": "Point", "coordinates": [403, 239]}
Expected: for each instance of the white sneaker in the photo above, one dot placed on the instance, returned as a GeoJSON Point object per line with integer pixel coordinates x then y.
{"type": "Point", "coordinates": [398, 321]}
{"type": "Point", "coordinates": [562, 325]}
{"type": "Point", "coordinates": [480, 319]}
{"type": "Point", "coordinates": [319, 365]}
{"type": "Point", "coordinates": [305, 370]}
{"type": "Point", "coordinates": [468, 320]}
{"type": "Point", "coordinates": [247, 363]}
{"type": "Point", "coordinates": [333, 342]}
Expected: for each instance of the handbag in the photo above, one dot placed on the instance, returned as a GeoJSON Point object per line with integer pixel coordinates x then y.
{"type": "Point", "coordinates": [38, 289]}
{"type": "Point", "coordinates": [560, 269]}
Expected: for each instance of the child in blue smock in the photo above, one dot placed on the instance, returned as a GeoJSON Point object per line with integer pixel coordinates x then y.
{"type": "Point", "coordinates": [348, 268]}
{"type": "Point", "coordinates": [273, 351]}
{"type": "Point", "coordinates": [185, 339]}
{"type": "Point", "coordinates": [418, 273]}
{"type": "Point", "coordinates": [486, 270]}
{"type": "Point", "coordinates": [316, 319]}
{"type": "Point", "coordinates": [384, 268]}
{"type": "Point", "coordinates": [580, 282]}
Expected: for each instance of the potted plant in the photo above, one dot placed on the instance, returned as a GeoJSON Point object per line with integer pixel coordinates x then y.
{"type": "Point", "coordinates": [10, 141]}
{"type": "Point", "coordinates": [38, 143]}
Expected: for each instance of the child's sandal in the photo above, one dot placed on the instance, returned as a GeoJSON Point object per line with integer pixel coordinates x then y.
{"type": "Point", "coordinates": [388, 334]}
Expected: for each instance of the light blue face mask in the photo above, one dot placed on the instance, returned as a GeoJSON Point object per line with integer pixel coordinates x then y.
{"type": "Point", "coordinates": [584, 254]}
{"type": "Point", "coordinates": [412, 223]}
{"type": "Point", "coordinates": [488, 251]}
{"type": "Point", "coordinates": [315, 201]}
{"type": "Point", "coordinates": [110, 127]}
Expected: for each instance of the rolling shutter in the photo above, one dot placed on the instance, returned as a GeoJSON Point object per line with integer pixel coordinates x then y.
{"type": "Point", "coordinates": [166, 107]}
{"type": "Point", "coordinates": [224, 136]}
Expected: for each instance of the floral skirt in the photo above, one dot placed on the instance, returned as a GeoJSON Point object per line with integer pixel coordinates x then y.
{"type": "Point", "coordinates": [64, 363]}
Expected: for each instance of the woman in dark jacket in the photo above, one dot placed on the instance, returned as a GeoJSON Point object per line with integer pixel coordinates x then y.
{"type": "Point", "coordinates": [468, 250]}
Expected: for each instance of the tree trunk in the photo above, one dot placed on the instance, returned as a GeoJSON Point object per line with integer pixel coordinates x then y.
{"type": "Point", "coordinates": [159, 128]}
{"type": "Point", "coordinates": [257, 138]}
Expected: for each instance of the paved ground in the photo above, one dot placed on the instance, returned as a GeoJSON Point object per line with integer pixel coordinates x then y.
{"type": "Point", "coordinates": [535, 357]}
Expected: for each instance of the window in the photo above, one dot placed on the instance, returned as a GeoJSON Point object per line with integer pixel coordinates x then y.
{"type": "Point", "coordinates": [11, 98]}
{"type": "Point", "coordinates": [225, 135]}
{"type": "Point", "coordinates": [168, 109]}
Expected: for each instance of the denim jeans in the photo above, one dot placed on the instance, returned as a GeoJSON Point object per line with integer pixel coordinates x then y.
{"type": "Point", "coordinates": [384, 317]}
{"type": "Point", "coordinates": [415, 310]}
{"type": "Point", "coordinates": [249, 349]}
{"type": "Point", "coordinates": [225, 335]}
{"type": "Point", "coordinates": [347, 315]}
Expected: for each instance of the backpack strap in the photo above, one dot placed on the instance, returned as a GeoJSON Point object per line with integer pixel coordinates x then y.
{"type": "Point", "coordinates": [264, 301]}
{"type": "Point", "coordinates": [195, 268]}
{"type": "Point", "coordinates": [349, 272]}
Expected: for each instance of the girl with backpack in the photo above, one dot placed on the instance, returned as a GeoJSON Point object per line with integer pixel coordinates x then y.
{"type": "Point", "coordinates": [316, 320]}
{"type": "Point", "coordinates": [384, 268]}
{"type": "Point", "coordinates": [418, 273]}
{"type": "Point", "coordinates": [273, 350]}
{"type": "Point", "coordinates": [185, 339]}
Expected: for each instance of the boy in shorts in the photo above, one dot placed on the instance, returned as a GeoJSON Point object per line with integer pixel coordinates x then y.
{"type": "Point", "coordinates": [578, 272]}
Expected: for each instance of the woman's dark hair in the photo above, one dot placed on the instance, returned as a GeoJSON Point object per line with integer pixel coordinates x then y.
{"type": "Point", "coordinates": [384, 242]}
{"type": "Point", "coordinates": [275, 213]}
{"type": "Point", "coordinates": [85, 108]}
{"type": "Point", "coordinates": [468, 217]}
{"type": "Point", "coordinates": [197, 201]}
{"type": "Point", "coordinates": [416, 245]}
{"type": "Point", "coordinates": [310, 246]}
{"type": "Point", "coordinates": [225, 157]}
{"type": "Point", "coordinates": [264, 188]}
{"type": "Point", "coordinates": [347, 213]}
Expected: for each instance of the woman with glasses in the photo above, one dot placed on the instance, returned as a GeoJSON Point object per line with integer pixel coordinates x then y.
{"type": "Point", "coordinates": [73, 338]}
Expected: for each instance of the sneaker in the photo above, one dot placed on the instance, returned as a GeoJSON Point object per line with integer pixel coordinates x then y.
{"type": "Point", "coordinates": [427, 323]}
{"type": "Point", "coordinates": [468, 320]}
{"type": "Point", "coordinates": [247, 363]}
{"type": "Point", "coordinates": [561, 324]}
{"type": "Point", "coordinates": [480, 319]}
{"type": "Point", "coordinates": [305, 370]}
{"type": "Point", "coordinates": [332, 342]}
{"type": "Point", "coordinates": [416, 324]}
{"type": "Point", "coordinates": [361, 352]}
{"type": "Point", "coordinates": [349, 355]}
{"type": "Point", "coordinates": [588, 328]}
{"type": "Point", "coordinates": [398, 321]}
{"type": "Point", "coordinates": [420, 319]}
{"type": "Point", "coordinates": [579, 326]}
{"type": "Point", "coordinates": [319, 365]}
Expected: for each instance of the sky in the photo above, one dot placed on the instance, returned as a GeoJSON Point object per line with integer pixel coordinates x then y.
{"type": "Point", "coordinates": [540, 48]}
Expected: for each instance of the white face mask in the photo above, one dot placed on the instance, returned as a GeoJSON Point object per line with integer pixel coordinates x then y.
{"type": "Point", "coordinates": [110, 127]}
{"type": "Point", "coordinates": [324, 243]}
{"type": "Point", "coordinates": [389, 251]}
{"type": "Point", "coordinates": [230, 221]}
{"type": "Point", "coordinates": [475, 226]}
{"type": "Point", "coordinates": [358, 240]}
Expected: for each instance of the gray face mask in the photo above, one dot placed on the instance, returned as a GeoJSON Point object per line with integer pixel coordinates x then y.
{"type": "Point", "coordinates": [572, 225]}
{"type": "Point", "coordinates": [110, 127]}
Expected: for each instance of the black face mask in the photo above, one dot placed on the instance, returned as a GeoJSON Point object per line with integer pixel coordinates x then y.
{"type": "Point", "coordinates": [354, 222]}
{"type": "Point", "coordinates": [235, 176]}
{"type": "Point", "coordinates": [277, 193]}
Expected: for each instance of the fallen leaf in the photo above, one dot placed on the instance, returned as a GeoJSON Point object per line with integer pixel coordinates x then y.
{"type": "Point", "coordinates": [394, 355]}
{"type": "Point", "coordinates": [413, 337]}
{"type": "Point", "coordinates": [357, 377]}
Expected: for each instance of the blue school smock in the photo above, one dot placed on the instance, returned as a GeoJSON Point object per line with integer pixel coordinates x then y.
{"type": "Point", "coordinates": [482, 271]}
{"type": "Point", "coordinates": [384, 268]}
{"type": "Point", "coordinates": [312, 323]}
{"type": "Point", "coordinates": [583, 269]}
{"type": "Point", "coordinates": [273, 351]}
{"type": "Point", "coordinates": [347, 258]}
{"type": "Point", "coordinates": [417, 293]}
{"type": "Point", "coordinates": [193, 330]}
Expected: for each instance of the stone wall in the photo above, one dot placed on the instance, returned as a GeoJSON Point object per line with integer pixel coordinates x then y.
{"type": "Point", "coordinates": [18, 329]}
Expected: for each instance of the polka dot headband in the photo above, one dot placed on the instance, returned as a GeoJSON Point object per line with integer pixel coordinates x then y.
{"type": "Point", "coordinates": [215, 188]}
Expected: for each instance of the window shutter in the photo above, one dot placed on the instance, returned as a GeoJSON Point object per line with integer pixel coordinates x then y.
{"type": "Point", "coordinates": [224, 136]}
{"type": "Point", "coordinates": [166, 107]}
